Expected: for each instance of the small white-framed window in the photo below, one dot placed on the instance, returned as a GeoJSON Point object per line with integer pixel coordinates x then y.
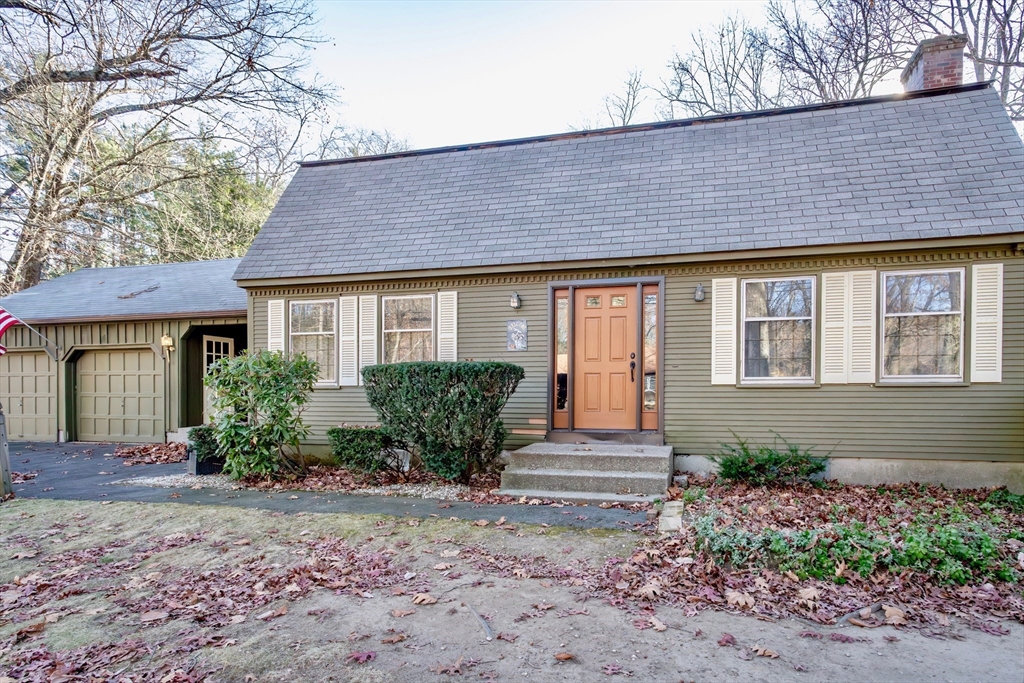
{"type": "Point", "coordinates": [923, 325]}
{"type": "Point", "coordinates": [408, 328]}
{"type": "Point", "coordinates": [777, 334]}
{"type": "Point", "coordinates": [312, 331]}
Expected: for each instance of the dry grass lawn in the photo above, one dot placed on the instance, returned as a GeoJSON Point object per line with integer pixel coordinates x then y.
{"type": "Point", "coordinates": [168, 592]}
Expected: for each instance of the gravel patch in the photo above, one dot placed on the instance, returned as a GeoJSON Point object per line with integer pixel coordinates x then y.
{"type": "Point", "coordinates": [435, 491]}
{"type": "Point", "coordinates": [183, 481]}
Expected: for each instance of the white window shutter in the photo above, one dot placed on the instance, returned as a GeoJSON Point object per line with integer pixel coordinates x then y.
{"type": "Point", "coordinates": [835, 317]}
{"type": "Point", "coordinates": [723, 330]}
{"type": "Point", "coordinates": [987, 323]}
{"type": "Point", "coordinates": [348, 335]}
{"type": "Point", "coordinates": [448, 326]}
{"type": "Point", "coordinates": [275, 325]}
{"type": "Point", "coordinates": [367, 333]}
{"type": "Point", "coordinates": [863, 297]}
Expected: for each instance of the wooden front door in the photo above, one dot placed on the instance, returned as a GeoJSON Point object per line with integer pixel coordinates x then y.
{"type": "Point", "coordinates": [607, 368]}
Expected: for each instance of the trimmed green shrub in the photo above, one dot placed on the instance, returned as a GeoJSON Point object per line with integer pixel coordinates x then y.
{"type": "Point", "coordinates": [762, 464]}
{"type": "Point", "coordinates": [446, 414]}
{"type": "Point", "coordinates": [364, 449]}
{"type": "Point", "coordinates": [259, 398]}
{"type": "Point", "coordinates": [203, 440]}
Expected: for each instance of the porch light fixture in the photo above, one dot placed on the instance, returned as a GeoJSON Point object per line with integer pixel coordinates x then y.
{"type": "Point", "coordinates": [167, 343]}
{"type": "Point", "coordinates": [698, 294]}
{"type": "Point", "coordinates": [514, 301]}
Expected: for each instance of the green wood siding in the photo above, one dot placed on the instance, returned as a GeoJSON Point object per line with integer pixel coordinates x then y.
{"type": "Point", "coordinates": [983, 422]}
{"type": "Point", "coordinates": [76, 338]}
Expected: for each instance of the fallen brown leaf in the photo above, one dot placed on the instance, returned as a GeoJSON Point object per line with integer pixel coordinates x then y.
{"type": "Point", "coordinates": [423, 599]}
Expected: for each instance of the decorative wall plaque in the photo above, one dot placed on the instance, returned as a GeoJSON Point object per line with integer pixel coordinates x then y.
{"type": "Point", "coordinates": [516, 335]}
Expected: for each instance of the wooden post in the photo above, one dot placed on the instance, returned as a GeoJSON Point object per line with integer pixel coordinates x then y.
{"type": "Point", "coordinates": [6, 487]}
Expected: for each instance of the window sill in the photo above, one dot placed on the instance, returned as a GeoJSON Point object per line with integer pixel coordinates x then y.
{"type": "Point", "coordinates": [888, 383]}
{"type": "Point", "coordinates": [810, 384]}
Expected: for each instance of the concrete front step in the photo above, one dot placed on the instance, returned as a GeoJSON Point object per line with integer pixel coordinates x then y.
{"type": "Point", "coordinates": [593, 458]}
{"type": "Point", "coordinates": [614, 481]}
{"type": "Point", "coordinates": [588, 471]}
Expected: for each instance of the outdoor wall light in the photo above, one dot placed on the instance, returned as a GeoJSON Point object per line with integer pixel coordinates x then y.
{"type": "Point", "coordinates": [167, 343]}
{"type": "Point", "coordinates": [514, 301]}
{"type": "Point", "coordinates": [698, 294]}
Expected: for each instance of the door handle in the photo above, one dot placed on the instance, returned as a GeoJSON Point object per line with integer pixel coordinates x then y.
{"type": "Point", "coordinates": [632, 370]}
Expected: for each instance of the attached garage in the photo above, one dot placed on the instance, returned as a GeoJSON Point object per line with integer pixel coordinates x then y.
{"type": "Point", "coordinates": [119, 396]}
{"type": "Point", "coordinates": [28, 392]}
{"type": "Point", "coordinates": [129, 370]}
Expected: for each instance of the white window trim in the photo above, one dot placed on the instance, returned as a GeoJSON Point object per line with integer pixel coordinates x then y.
{"type": "Point", "coordinates": [288, 326]}
{"type": "Point", "coordinates": [432, 329]}
{"type": "Point", "coordinates": [742, 314]}
{"type": "Point", "coordinates": [919, 379]}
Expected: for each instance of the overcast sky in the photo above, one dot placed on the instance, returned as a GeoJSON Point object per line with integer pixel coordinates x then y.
{"type": "Point", "coordinates": [445, 73]}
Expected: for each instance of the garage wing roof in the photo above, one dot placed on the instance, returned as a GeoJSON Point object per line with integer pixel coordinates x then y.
{"type": "Point", "coordinates": [932, 164]}
{"type": "Point", "coordinates": [166, 290]}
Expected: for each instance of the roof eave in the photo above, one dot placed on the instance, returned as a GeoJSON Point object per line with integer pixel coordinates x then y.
{"type": "Point", "coordinates": [177, 315]}
{"type": "Point", "coordinates": [1015, 238]}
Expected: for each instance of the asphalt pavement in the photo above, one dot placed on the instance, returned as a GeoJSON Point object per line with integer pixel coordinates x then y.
{"type": "Point", "coordinates": [86, 471]}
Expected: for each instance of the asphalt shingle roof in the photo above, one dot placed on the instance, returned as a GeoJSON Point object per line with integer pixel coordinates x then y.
{"type": "Point", "coordinates": [927, 166]}
{"type": "Point", "coordinates": [163, 290]}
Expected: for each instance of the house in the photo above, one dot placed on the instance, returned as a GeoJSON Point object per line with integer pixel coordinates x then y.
{"type": "Point", "coordinates": [124, 354]}
{"type": "Point", "coordinates": [847, 275]}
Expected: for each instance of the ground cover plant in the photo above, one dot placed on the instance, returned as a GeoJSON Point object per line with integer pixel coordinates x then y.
{"type": "Point", "coordinates": [831, 552]}
{"type": "Point", "coordinates": [141, 592]}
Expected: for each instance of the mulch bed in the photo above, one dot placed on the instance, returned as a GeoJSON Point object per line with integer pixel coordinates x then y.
{"type": "Point", "coordinates": [152, 454]}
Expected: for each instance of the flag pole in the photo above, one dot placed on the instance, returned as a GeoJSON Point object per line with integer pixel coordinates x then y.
{"type": "Point", "coordinates": [6, 485]}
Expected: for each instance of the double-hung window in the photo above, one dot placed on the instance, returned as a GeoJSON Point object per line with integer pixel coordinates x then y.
{"type": "Point", "coordinates": [408, 328]}
{"type": "Point", "coordinates": [922, 334]}
{"type": "Point", "coordinates": [778, 330]}
{"type": "Point", "coordinates": [312, 332]}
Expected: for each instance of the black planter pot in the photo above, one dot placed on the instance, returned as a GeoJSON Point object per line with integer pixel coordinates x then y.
{"type": "Point", "coordinates": [197, 467]}
{"type": "Point", "coordinates": [209, 467]}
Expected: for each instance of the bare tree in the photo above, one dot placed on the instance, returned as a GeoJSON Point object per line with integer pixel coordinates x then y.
{"type": "Point", "coordinates": [831, 50]}
{"type": "Point", "coordinates": [179, 71]}
{"type": "Point", "coordinates": [995, 40]}
{"type": "Point", "coordinates": [622, 107]}
{"type": "Point", "coordinates": [729, 70]}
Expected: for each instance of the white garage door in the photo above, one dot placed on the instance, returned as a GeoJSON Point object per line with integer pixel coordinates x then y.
{"type": "Point", "coordinates": [120, 396]}
{"type": "Point", "coordinates": [28, 391]}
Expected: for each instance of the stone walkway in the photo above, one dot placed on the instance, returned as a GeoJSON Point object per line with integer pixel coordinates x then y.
{"type": "Point", "coordinates": [84, 471]}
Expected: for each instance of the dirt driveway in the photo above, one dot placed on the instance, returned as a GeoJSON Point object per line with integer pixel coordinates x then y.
{"type": "Point", "coordinates": [221, 593]}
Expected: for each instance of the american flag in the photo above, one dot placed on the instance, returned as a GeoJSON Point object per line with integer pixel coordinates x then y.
{"type": "Point", "coordinates": [7, 321]}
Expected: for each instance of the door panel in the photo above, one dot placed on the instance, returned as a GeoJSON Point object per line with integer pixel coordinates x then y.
{"type": "Point", "coordinates": [28, 392]}
{"type": "Point", "coordinates": [606, 343]}
{"type": "Point", "coordinates": [120, 396]}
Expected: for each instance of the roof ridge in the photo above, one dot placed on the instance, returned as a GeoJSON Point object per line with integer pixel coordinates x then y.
{"type": "Point", "coordinates": [146, 265]}
{"type": "Point", "coordinates": [657, 125]}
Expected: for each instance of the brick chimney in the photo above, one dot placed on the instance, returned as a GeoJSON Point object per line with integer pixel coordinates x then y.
{"type": "Point", "coordinates": [936, 63]}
